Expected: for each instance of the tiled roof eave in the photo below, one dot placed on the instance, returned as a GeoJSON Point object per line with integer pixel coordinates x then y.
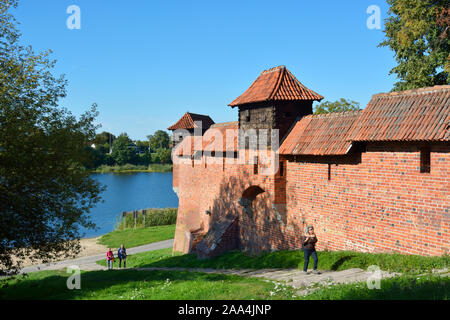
{"type": "Point", "coordinates": [273, 101]}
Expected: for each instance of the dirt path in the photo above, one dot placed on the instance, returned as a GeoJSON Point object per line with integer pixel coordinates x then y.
{"type": "Point", "coordinates": [89, 247]}
{"type": "Point", "coordinates": [89, 262]}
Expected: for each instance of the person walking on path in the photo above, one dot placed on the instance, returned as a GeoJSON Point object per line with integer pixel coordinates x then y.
{"type": "Point", "coordinates": [309, 249]}
{"type": "Point", "coordinates": [122, 254]}
{"type": "Point", "coordinates": [109, 259]}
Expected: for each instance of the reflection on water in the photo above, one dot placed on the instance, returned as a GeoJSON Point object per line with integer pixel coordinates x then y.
{"type": "Point", "coordinates": [130, 191]}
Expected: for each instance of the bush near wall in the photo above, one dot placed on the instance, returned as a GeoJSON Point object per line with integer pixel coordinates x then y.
{"type": "Point", "coordinates": [153, 217]}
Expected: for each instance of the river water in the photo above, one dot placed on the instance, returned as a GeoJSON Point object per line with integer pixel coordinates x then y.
{"type": "Point", "coordinates": [130, 191]}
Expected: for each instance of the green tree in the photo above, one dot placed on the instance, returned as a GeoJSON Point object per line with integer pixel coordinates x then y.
{"type": "Point", "coordinates": [103, 139]}
{"type": "Point", "coordinates": [417, 32]}
{"type": "Point", "coordinates": [142, 146]}
{"type": "Point", "coordinates": [123, 150]}
{"type": "Point", "coordinates": [45, 192]}
{"type": "Point", "coordinates": [336, 106]}
{"type": "Point", "coordinates": [160, 139]}
{"type": "Point", "coordinates": [163, 155]}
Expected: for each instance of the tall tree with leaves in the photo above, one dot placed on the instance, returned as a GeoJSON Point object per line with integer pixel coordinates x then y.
{"type": "Point", "coordinates": [417, 31]}
{"type": "Point", "coordinates": [160, 139]}
{"type": "Point", "coordinates": [336, 106]}
{"type": "Point", "coordinates": [123, 151]}
{"type": "Point", "coordinates": [45, 192]}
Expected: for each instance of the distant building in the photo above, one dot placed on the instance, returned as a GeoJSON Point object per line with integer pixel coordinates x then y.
{"type": "Point", "coordinates": [373, 180]}
{"type": "Point", "coordinates": [189, 122]}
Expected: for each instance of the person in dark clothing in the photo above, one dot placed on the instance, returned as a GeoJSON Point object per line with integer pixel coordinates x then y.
{"type": "Point", "coordinates": [309, 249]}
{"type": "Point", "coordinates": [122, 254]}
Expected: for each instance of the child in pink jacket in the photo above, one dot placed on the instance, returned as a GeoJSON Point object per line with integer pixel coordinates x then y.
{"type": "Point", "coordinates": [109, 259]}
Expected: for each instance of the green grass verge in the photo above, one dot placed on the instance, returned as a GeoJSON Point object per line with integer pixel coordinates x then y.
{"type": "Point", "coordinates": [140, 285]}
{"type": "Point", "coordinates": [430, 287]}
{"type": "Point", "coordinates": [153, 217]}
{"type": "Point", "coordinates": [336, 260]}
{"type": "Point", "coordinates": [154, 167]}
{"type": "Point", "coordinates": [133, 238]}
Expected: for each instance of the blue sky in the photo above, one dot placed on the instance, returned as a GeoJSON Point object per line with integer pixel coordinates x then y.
{"type": "Point", "coordinates": [147, 62]}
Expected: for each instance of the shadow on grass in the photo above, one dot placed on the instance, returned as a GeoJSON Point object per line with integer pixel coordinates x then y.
{"type": "Point", "coordinates": [341, 261]}
{"type": "Point", "coordinates": [401, 288]}
{"type": "Point", "coordinates": [96, 284]}
{"type": "Point", "coordinates": [233, 260]}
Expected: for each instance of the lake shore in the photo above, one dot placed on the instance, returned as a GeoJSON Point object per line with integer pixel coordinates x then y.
{"type": "Point", "coordinates": [89, 247]}
{"type": "Point", "coordinates": [129, 168]}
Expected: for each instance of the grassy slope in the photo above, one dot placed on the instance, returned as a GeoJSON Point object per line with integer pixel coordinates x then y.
{"type": "Point", "coordinates": [132, 284]}
{"type": "Point", "coordinates": [399, 288]}
{"type": "Point", "coordinates": [175, 285]}
{"type": "Point", "coordinates": [132, 238]}
{"type": "Point", "coordinates": [339, 260]}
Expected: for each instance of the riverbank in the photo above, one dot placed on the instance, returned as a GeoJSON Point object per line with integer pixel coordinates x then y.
{"type": "Point", "coordinates": [89, 247]}
{"type": "Point", "coordinates": [129, 237]}
{"type": "Point", "coordinates": [130, 168]}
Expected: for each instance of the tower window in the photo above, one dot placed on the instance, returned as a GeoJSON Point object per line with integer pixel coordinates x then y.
{"type": "Point", "coordinates": [425, 160]}
{"type": "Point", "coordinates": [247, 115]}
{"type": "Point", "coordinates": [329, 171]}
{"type": "Point", "coordinates": [255, 165]}
{"type": "Point", "coordinates": [281, 168]}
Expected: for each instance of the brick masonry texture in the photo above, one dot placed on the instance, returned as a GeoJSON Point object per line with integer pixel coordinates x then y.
{"type": "Point", "coordinates": [363, 179]}
{"type": "Point", "coordinates": [374, 201]}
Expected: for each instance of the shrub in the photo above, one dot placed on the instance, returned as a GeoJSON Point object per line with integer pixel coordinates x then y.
{"type": "Point", "coordinates": [153, 217]}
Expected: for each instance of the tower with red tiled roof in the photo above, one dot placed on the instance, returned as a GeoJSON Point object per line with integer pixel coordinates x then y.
{"type": "Point", "coordinates": [188, 123]}
{"type": "Point", "coordinates": [275, 100]}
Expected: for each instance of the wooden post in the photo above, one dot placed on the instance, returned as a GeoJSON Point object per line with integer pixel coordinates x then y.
{"type": "Point", "coordinates": [135, 217]}
{"type": "Point", "coordinates": [144, 211]}
{"type": "Point", "coordinates": [124, 219]}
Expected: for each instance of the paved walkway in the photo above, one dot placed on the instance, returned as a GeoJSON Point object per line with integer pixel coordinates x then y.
{"type": "Point", "coordinates": [88, 263]}
{"type": "Point", "coordinates": [292, 277]}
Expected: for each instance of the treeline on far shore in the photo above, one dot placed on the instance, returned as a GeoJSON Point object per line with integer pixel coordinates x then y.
{"type": "Point", "coordinates": [108, 153]}
{"type": "Point", "coordinates": [154, 167]}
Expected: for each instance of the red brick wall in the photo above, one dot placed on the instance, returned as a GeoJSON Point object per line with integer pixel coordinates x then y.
{"type": "Point", "coordinates": [375, 201]}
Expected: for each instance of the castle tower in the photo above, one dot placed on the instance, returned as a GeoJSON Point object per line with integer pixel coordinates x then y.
{"type": "Point", "coordinates": [275, 100]}
{"type": "Point", "coordinates": [188, 123]}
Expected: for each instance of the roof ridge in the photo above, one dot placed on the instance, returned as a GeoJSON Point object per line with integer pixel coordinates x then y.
{"type": "Point", "coordinates": [413, 91]}
{"type": "Point", "coordinates": [223, 124]}
{"type": "Point", "coordinates": [198, 114]}
{"type": "Point", "coordinates": [279, 81]}
{"type": "Point", "coordinates": [282, 67]}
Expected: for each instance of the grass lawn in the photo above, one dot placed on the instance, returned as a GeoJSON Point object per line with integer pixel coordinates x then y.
{"type": "Point", "coordinates": [336, 260]}
{"type": "Point", "coordinates": [133, 238]}
{"type": "Point", "coordinates": [178, 285]}
{"type": "Point", "coordinates": [406, 287]}
{"type": "Point", "coordinates": [140, 285]}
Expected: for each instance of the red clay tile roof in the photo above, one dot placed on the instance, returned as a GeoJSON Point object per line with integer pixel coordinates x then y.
{"type": "Point", "coordinates": [275, 84]}
{"type": "Point", "coordinates": [322, 134]}
{"type": "Point", "coordinates": [413, 115]}
{"type": "Point", "coordinates": [187, 121]}
{"type": "Point", "coordinates": [209, 141]}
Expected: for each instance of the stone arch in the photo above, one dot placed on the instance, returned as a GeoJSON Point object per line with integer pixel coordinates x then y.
{"type": "Point", "coordinates": [246, 200]}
